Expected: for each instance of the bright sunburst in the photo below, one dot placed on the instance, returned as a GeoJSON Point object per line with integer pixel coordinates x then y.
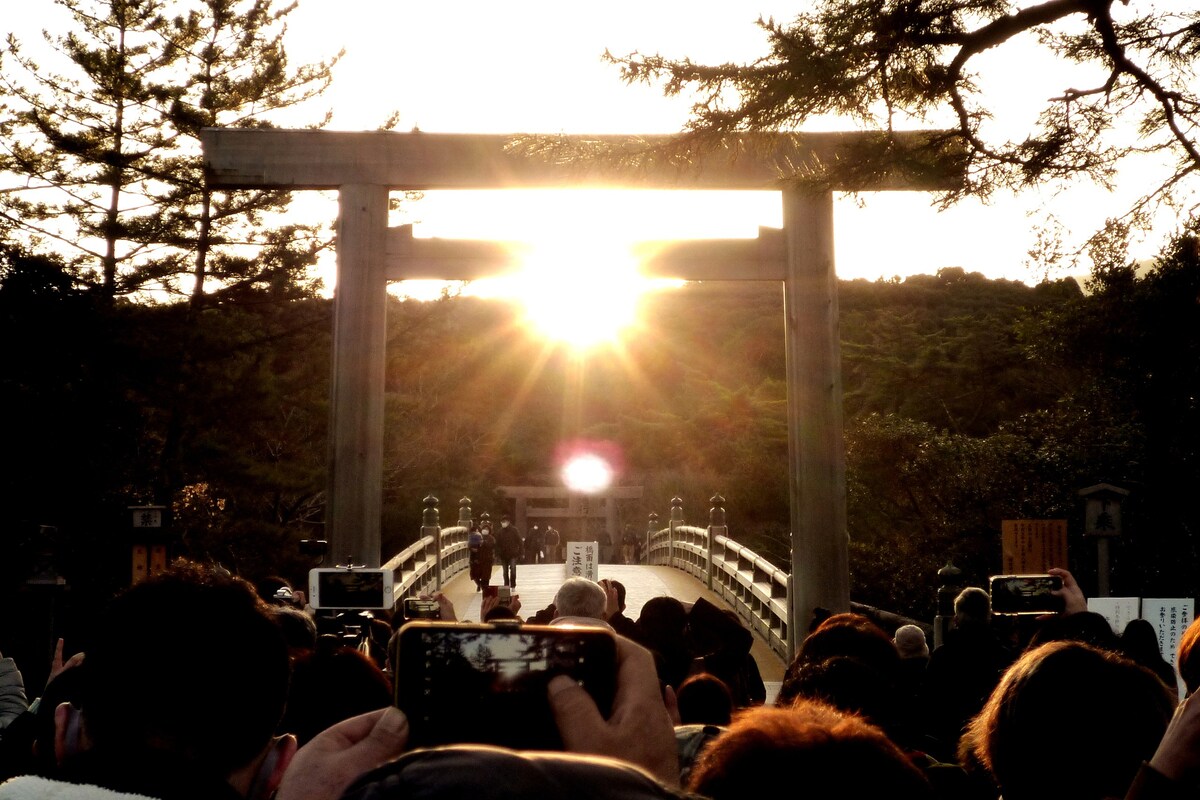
{"type": "Point", "coordinates": [581, 292]}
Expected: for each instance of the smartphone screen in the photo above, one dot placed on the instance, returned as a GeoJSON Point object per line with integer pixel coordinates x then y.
{"type": "Point", "coordinates": [416, 608]}
{"type": "Point", "coordinates": [359, 588]}
{"type": "Point", "coordinates": [485, 684]}
{"type": "Point", "coordinates": [1025, 594]}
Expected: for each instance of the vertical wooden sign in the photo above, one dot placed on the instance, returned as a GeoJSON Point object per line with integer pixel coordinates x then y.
{"type": "Point", "coordinates": [1032, 546]}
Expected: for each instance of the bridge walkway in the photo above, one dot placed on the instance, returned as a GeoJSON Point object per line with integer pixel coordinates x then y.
{"type": "Point", "coordinates": [537, 583]}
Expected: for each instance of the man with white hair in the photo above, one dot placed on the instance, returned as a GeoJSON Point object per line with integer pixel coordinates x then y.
{"type": "Point", "coordinates": [580, 601]}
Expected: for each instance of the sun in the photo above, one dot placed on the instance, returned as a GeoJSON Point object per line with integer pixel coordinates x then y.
{"type": "Point", "coordinates": [580, 291]}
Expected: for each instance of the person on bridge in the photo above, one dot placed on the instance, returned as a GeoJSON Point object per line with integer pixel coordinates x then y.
{"type": "Point", "coordinates": [629, 541]}
{"type": "Point", "coordinates": [474, 545]}
{"type": "Point", "coordinates": [510, 548]}
{"type": "Point", "coordinates": [534, 546]}
{"type": "Point", "coordinates": [550, 538]}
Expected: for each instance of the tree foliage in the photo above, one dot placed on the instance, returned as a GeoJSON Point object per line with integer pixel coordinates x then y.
{"type": "Point", "coordinates": [887, 64]}
{"type": "Point", "coordinates": [102, 151]}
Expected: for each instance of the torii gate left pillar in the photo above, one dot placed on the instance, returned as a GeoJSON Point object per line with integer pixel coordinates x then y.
{"type": "Point", "coordinates": [354, 496]}
{"type": "Point", "coordinates": [365, 166]}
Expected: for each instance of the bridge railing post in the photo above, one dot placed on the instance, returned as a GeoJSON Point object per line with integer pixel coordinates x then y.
{"type": "Point", "coordinates": [651, 529]}
{"type": "Point", "coordinates": [676, 522]}
{"type": "Point", "coordinates": [432, 528]}
{"type": "Point", "coordinates": [716, 527]}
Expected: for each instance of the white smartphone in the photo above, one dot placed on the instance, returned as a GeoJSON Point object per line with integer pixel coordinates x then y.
{"type": "Point", "coordinates": [338, 587]}
{"type": "Point", "coordinates": [503, 595]}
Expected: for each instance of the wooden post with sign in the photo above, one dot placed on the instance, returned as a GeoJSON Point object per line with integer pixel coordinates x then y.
{"type": "Point", "coordinates": [148, 546]}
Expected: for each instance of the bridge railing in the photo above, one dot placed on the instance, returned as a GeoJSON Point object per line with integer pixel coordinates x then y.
{"type": "Point", "coordinates": [436, 557]}
{"type": "Point", "coordinates": [757, 590]}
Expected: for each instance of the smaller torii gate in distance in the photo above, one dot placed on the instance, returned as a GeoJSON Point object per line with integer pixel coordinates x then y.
{"type": "Point", "coordinates": [578, 505]}
{"type": "Point", "coordinates": [365, 166]}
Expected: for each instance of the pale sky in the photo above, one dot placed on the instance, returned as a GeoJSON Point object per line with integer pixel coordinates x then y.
{"type": "Point", "coordinates": [534, 66]}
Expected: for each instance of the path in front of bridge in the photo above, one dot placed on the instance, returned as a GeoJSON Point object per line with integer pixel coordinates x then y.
{"type": "Point", "coordinates": [537, 583]}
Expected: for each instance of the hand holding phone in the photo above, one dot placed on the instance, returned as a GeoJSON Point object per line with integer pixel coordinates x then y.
{"type": "Point", "coordinates": [639, 729]}
{"type": "Point", "coordinates": [421, 608]}
{"type": "Point", "coordinates": [1025, 594]}
{"type": "Point", "coordinates": [487, 684]}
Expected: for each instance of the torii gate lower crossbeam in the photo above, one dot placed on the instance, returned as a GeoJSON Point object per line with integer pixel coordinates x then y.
{"type": "Point", "coordinates": [365, 166]}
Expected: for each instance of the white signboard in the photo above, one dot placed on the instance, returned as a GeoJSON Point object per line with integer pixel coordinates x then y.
{"type": "Point", "coordinates": [583, 559]}
{"type": "Point", "coordinates": [1170, 617]}
{"type": "Point", "coordinates": [1117, 610]}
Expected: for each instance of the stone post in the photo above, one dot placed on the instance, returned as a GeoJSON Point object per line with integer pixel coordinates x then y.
{"type": "Point", "coordinates": [676, 521]}
{"type": "Point", "coordinates": [716, 527]}
{"type": "Point", "coordinates": [464, 512]}
{"type": "Point", "coordinates": [651, 529]}
{"type": "Point", "coordinates": [950, 582]}
{"type": "Point", "coordinates": [430, 526]}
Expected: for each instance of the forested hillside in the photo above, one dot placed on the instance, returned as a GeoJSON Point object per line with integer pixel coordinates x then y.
{"type": "Point", "coordinates": [967, 401]}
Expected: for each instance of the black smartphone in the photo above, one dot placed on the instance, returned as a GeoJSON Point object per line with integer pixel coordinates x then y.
{"type": "Point", "coordinates": [418, 608]}
{"type": "Point", "coordinates": [486, 684]}
{"type": "Point", "coordinates": [1025, 594]}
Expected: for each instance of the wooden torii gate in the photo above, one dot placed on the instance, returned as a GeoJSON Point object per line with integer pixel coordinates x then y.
{"type": "Point", "coordinates": [365, 166]}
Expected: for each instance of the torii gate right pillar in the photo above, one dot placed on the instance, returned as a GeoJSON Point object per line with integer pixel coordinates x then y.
{"type": "Point", "coordinates": [816, 451]}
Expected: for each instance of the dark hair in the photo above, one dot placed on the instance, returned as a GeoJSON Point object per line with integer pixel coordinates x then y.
{"type": "Point", "coordinates": [1082, 626]}
{"type": "Point", "coordinates": [299, 629]}
{"type": "Point", "coordinates": [660, 628]}
{"type": "Point", "coordinates": [1068, 721]}
{"type": "Point", "coordinates": [1139, 643]}
{"type": "Point", "coordinates": [331, 684]}
{"type": "Point", "coordinates": [972, 604]}
{"type": "Point", "coordinates": [834, 755]}
{"type": "Point", "coordinates": [704, 699]}
{"type": "Point", "coordinates": [842, 635]}
{"type": "Point", "coordinates": [189, 661]}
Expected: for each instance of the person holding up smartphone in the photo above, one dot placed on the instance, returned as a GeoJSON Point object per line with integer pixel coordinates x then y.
{"type": "Point", "coordinates": [639, 731]}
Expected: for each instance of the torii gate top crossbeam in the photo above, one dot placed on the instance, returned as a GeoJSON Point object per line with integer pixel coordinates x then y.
{"type": "Point", "coordinates": [244, 158]}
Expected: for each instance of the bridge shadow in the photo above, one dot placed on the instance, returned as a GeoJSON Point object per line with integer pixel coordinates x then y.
{"type": "Point", "coordinates": [537, 583]}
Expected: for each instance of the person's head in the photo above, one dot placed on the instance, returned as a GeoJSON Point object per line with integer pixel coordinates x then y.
{"type": "Point", "coordinates": [499, 773]}
{"type": "Point", "coordinates": [330, 684]}
{"type": "Point", "coordinates": [662, 621]}
{"type": "Point", "coordinates": [1139, 640]}
{"type": "Point", "coordinates": [1082, 626]}
{"type": "Point", "coordinates": [505, 521]}
{"type": "Point", "coordinates": [704, 699]}
{"type": "Point", "coordinates": [299, 629]}
{"type": "Point", "coordinates": [191, 662]}
{"type": "Point", "coordinates": [1188, 657]}
{"type": "Point", "coordinates": [1068, 721]}
{"type": "Point", "coordinates": [910, 642]}
{"type": "Point", "coordinates": [620, 589]}
{"type": "Point", "coordinates": [850, 635]}
{"type": "Point", "coordinates": [973, 606]}
{"type": "Point", "coordinates": [580, 597]}
{"type": "Point", "coordinates": [835, 755]}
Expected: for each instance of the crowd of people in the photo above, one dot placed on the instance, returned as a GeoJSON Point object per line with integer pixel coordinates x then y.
{"type": "Point", "coordinates": [198, 684]}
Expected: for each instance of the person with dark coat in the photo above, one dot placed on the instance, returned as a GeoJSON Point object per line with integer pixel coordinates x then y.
{"type": "Point", "coordinates": [509, 548]}
{"type": "Point", "coordinates": [963, 671]}
{"type": "Point", "coordinates": [534, 544]}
